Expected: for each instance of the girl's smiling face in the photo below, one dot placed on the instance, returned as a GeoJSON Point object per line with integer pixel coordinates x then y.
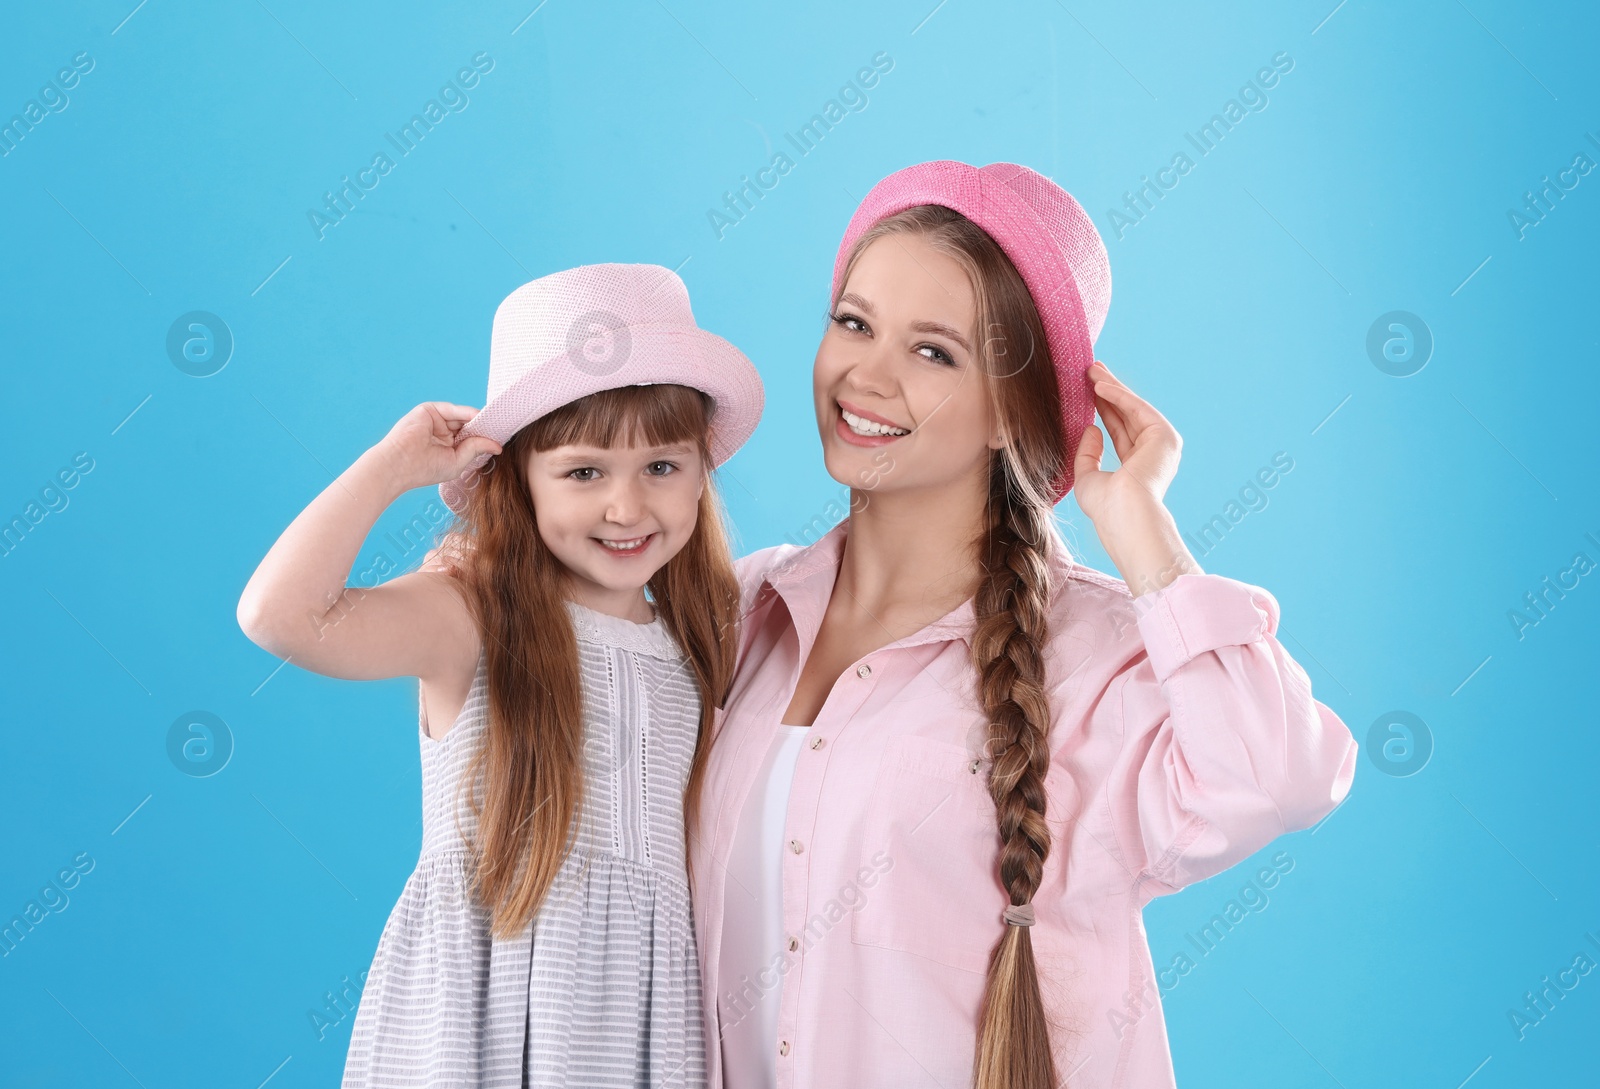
{"type": "Point", "coordinates": [897, 369]}
{"type": "Point", "coordinates": [589, 500]}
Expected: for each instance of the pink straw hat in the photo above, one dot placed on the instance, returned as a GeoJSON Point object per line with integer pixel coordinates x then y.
{"type": "Point", "coordinates": [597, 327]}
{"type": "Point", "coordinates": [1048, 237]}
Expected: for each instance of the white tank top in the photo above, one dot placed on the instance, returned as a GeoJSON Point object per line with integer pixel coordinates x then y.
{"type": "Point", "coordinates": [748, 985]}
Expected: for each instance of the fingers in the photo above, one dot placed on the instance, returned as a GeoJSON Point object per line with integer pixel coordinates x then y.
{"type": "Point", "coordinates": [1119, 394]}
{"type": "Point", "coordinates": [1090, 447]}
{"type": "Point", "coordinates": [1117, 424]}
{"type": "Point", "coordinates": [1099, 372]}
{"type": "Point", "coordinates": [473, 452]}
{"type": "Point", "coordinates": [448, 419]}
{"type": "Point", "coordinates": [1114, 416]}
{"type": "Point", "coordinates": [1136, 410]}
{"type": "Point", "coordinates": [445, 420]}
{"type": "Point", "coordinates": [480, 445]}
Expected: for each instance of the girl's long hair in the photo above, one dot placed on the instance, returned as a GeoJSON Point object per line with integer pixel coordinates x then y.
{"type": "Point", "coordinates": [1011, 606]}
{"type": "Point", "coordinates": [526, 778]}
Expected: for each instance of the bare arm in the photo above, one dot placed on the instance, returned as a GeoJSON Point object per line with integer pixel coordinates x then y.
{"type": "Point", "coordinates": [297, 604]}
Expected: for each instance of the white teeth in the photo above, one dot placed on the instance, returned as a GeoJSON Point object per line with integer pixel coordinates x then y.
{"type": "Point", "coordinates": [624, 546]}
{"type": "Point", "coordinates": [870, 427]}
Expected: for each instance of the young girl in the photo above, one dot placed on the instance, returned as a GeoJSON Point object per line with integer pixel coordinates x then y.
{"type": "Point", "coordinates": [956, 764]}
{"type": "Point", "coordinates": [546, 937]}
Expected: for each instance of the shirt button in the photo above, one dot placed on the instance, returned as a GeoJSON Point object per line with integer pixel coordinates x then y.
{"type": "Point", "coordinates": [794, 943]}
{"type": "Point", "coordinates": [863, 670]}
{"type": "Point", "coordinates": [783, 1047]}
{"type": "Point", "coordinates": [794, 845]}
{"type": "Point", "coordinates": [818, 742]}
{"type": "Point", "coordinates": [973, 767]}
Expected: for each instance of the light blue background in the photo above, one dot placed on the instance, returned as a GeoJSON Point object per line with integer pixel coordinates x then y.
{"type": "Point", "coordinates": [1418, 513]}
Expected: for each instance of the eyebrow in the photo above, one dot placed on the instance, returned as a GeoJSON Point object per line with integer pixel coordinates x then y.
{"type": "Point", "coordinates": [935, 327]}
{"type": "Point", "coordinates": [601, 454]}
{"type": "Point", "coordinates": [942, 330]}
{"type": "Point", "coordinates": [857, 301]}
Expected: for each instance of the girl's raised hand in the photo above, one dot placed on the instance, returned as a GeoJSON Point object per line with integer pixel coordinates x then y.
{"type": "Point", "coordinates": [422, 449]}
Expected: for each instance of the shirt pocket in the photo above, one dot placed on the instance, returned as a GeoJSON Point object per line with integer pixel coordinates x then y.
{"type": "Point", "coordinates": [930, 829]}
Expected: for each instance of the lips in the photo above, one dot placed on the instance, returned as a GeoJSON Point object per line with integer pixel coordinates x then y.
{"type": "Point", "coordinates": [859, 428]}
{"type": "Point", "coordinates": [860, 415]}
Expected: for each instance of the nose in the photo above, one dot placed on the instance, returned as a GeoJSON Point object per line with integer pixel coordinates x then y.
{"type": "Point", "coordinates": [624, 502]}
{"type": "Point", "coordinates": [870, 372]}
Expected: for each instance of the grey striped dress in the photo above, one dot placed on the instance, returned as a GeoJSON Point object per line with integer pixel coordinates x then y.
{"type": "Point", "coordinates": [603, 986]}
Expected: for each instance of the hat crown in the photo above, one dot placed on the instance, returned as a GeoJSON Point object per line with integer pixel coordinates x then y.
{"type": "Point", "coordinates": [1073, 233]}
{"type": "Point", "coordinates": [583, 313]}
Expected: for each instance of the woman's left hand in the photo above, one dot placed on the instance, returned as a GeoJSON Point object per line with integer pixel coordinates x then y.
{"type": "Point", "coordinates": [1125, 503]}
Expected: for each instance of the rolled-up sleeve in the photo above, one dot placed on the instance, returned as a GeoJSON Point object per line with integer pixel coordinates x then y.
{"type": "Point", "coordinates": [1223, 747]}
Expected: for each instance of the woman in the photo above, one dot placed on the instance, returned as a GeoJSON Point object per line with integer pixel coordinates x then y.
{"type": "Point", "coordinates": [954, 764]}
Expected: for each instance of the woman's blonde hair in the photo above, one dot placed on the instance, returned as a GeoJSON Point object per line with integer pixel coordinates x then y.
{"type": "Point", "coordinates": [1011, 629]}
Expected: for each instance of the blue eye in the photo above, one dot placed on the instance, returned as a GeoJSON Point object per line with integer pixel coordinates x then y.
{"type": "Point", "coordinates": [938, 353]}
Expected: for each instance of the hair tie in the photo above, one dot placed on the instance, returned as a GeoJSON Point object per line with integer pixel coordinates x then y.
{"type": "Point", "coordinates": [1019, 914]}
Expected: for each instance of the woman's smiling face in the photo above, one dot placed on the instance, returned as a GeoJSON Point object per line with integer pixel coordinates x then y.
{"type": "Point", "coordinates": [897, 370]}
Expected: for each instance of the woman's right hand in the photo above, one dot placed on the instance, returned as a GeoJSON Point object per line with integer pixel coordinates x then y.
{"type": "Point", "coordinates": [422, 448]}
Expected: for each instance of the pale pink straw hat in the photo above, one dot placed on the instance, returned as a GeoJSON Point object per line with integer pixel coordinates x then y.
{"type": "Point", "coordinates": [1048, 237]}
{"type": "Point", "coordinates": [596, 327]}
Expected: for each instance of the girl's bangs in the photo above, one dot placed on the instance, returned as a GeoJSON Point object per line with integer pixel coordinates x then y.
{"type": "Point", "coordinates": [650, 415]}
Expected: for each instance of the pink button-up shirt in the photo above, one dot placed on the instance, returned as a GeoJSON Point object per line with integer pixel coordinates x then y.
{"type": "Point", "coordinates": [1183, 739]}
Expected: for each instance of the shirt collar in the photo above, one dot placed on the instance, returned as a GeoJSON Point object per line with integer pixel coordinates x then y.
{"type": "Point", "coordinates": [805, 581]}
